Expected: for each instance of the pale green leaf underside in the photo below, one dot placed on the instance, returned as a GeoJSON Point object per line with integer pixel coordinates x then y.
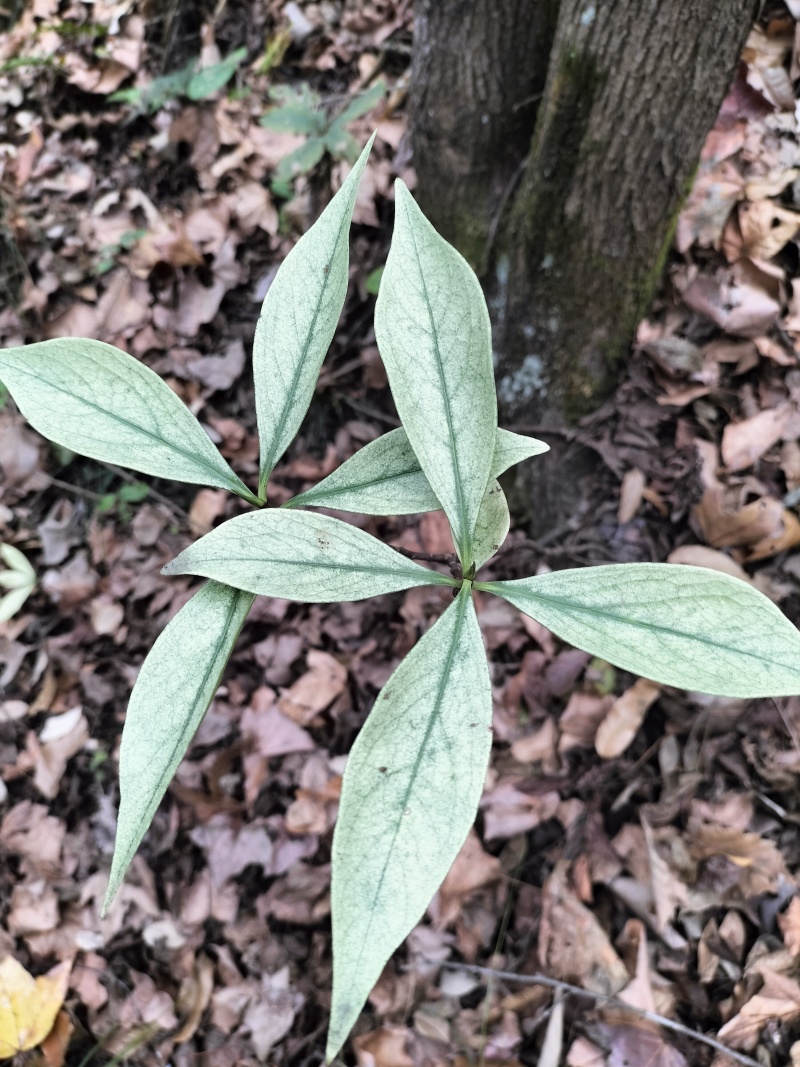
{"type": "Point", "coordinates": [385, 478]}
{"type": "Point", "coordinates": [493, 523]}
{"type": "Point", "coordinates": [411, 788]}
{"type": "Point", "coordinates": [298, 555]}
{"type": "Point", "coordinates": [433, 332]}
{"type": "Point", "coordinates": [176, 684]}
{"type": "Point", "coordinates": [298, 321]}
{"type": "Point", "coordinates": [678, 625]}
{"type": "Point", "coordinates": [100, 402]}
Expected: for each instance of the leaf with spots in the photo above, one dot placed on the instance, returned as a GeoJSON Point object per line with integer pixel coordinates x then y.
{"type": "Point", "coordinates": [298, 555]}
{"type": "Point", "coordinates": [410, 792]}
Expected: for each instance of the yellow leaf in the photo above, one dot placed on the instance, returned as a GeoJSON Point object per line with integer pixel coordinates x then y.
{"type": "Point", "coordinates": [28, 1005]}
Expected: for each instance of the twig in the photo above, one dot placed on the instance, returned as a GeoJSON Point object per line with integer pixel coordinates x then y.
{"type": "Point", "coordinates": [578, 991]}
{"type": "Point", "coordinates": [447, 558]}
{"type": "Point", "coordinates": [427, 557]}
{"type": "Point", "coordinates": [76, 489]}
{"type": "Point", "coordinates": [126, 476]}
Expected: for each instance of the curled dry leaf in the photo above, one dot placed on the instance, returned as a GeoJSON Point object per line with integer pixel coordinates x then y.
{"type": "Point", "coordinates": [777, 1002]}
{"type": "Point", "coordinates": [766, 227]}
{"type": "Point", "coordinates": [744, 443]}
{"type": "Point", "coordinates": [624, 718]}
{"type": "Point", "coordinates": [315, 690]}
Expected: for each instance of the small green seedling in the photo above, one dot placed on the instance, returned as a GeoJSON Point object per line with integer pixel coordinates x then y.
{"type": "Point", "coordinates": [416, 771]}
{"type": "Point", "coordinates": [300, 111]}
{"type": "Point", "coordinates": [18, 579]}
{"type": "Point", "coordinates": [188, 81]}
{"type": "Point", "coordinates": [108, 253]}
{"type": "Point", "coordinates": [121, 499]}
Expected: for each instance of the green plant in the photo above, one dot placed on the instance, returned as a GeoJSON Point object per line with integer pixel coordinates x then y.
{"type": "Point", "coordinates": [121, 499]}
{"type": "Point", "coordinates": [188, 81]}
{"type": "Point", "coordinates": [19, 581]}
{"type": "Point", "coordinates": [300, 111]}
{"type": "Point", "coordinates": [109, 253]}
{"type": "Point", "coordinates": [415, 774]}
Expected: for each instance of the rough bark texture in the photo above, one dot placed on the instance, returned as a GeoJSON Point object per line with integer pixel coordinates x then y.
{"type": "Point", "coordinates": [632, 89]}
{"type": "Point", "coordinates": [478, 73]}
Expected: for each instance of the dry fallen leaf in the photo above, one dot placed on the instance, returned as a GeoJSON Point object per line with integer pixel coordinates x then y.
{"type": "Point", "coordinates": [572, 944]}
{"type": "Point", "coordinates": [777, 1002]}
{"type": "Point", "coordinates": [744, 443]}
{"type": "Point", "coordinates": [28, 1005]}
{"type": "Point", "coordinates": [630, 495]}
{"type": "Point", "coordinates": [624, 718]}
{"type": "Point", "coordinates": [315, 690]}
{"type": "Point", "coordinates": [701, 556]}
{"type": "Point", "coordinates": [766, 228]}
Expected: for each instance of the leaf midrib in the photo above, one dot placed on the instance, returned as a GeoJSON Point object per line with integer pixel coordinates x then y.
{"type": "Point", "coordinates": [235, 601]}
{"type": "Point", "coordinates": [191, 456]}
{"type": "Point", "coordinates": [440, 691]}
{"type": "Point", "coordinates": [571, 607]}
{"type": "Point", "coordinates": [271, 457]}
{"type": "Point", "coordinates": [461, 503]}
{"type": "Point", "coordinates": [431, 577]}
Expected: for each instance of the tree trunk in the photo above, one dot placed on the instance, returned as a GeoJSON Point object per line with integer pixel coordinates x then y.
{"type": "Point", "coordinates": [478, 73]}
{"type": "Point", "coordinates": [632, 89]}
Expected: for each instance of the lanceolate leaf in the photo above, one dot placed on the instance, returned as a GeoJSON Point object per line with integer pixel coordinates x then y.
{"type": "Point", "coordinates": [681, 626]}
{"type": "Point", "coordinates": [411, 789]}
{"type": "Point", "coordinates": [298, 320]}
{"type": "Point", "coordinates": [433, 332]}
{"type": "Point", "coordinates": [175, 686]}
{"type": "Point", "coordinates": [99, 401]}
{"type": "Point", "coordinates": [385, 478]}
{"type": "Point", "coordinates": [301, 556]}
{"type": "Point", "coordinates": [493, 523]}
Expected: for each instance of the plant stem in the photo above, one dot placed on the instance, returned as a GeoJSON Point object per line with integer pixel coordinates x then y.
{"type": "Point", "coordinates": [615, 1002]}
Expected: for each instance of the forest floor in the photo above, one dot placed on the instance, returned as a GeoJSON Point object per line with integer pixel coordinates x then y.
{"type": "Point", "coordinates": [638, 842]}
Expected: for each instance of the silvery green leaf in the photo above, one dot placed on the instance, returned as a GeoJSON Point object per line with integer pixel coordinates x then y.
{"type": "Point", "coordinates": [298, 321]}
{"type": "Point", "coordinates": [100, 402]}
{"type": "Point", "coordinates": [13, 601]}
{"type": "Point", "coordinates": [382, 478]}
{"type": "Point", "coordinates": [684, 626]}
{"type": "Point", "coordinates": [385, 478]}
{"type": "Point", "coordinates": [493, 523]}
{"type": "Point", "coordinates": [511, 448]}
{"type": "Point", "coordinates": [433, 332]}
{"type": "Point", "coordinates": [13, 558]}
{"type": "Point", "coordinates": [411, 788]}
{"type": "Point", "coordinates": [176, 684]}
{"type": "Point", "coordinates": [298, 555]}
{"type": "Point", "coordinates": [16, 580]}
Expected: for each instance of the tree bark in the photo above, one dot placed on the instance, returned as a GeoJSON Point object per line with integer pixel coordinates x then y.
{"type": "Point", "coordinates": [478, 73]}
{"type": "Point", "coordinates": [632, 89]}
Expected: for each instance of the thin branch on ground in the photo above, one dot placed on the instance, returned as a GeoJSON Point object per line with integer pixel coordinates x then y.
{"type": "Point", "coordinates": [68, 487]}
{"type": "Point", "coordinates": [604, 998]}
{"type": "Point", "coordinates": [126, 476]}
